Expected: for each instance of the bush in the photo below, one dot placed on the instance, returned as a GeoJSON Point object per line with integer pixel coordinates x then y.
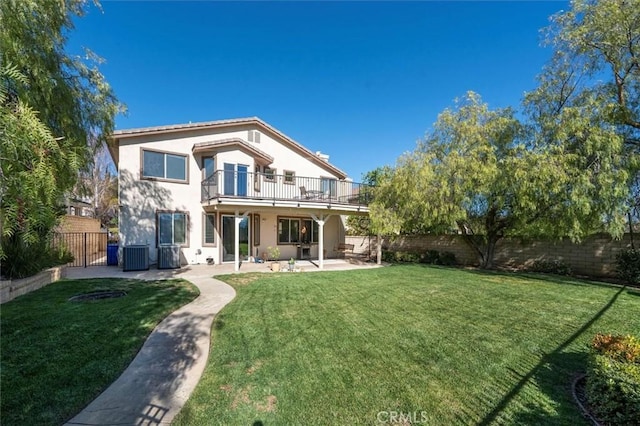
{"type": "Point", "coordinates": [400, 257]}
{"type": "Point", "coordinates": [628, 266]}
{"type": "Point", "coordinates": [21, 261]}
{"type": "Point", "coordinates": [556, 266]}
{"type": "Point", "coordinates": [620, 348]}
{"type": "Point", "coordinates": [613, 379]}
{"type": "Point", "coordinates": [432, 257]}
{"type": "Point", "coordinates": [448, 259]}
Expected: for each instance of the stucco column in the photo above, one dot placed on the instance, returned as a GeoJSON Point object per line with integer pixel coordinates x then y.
{"type": "Point", "coordinates": [236, 242]}
{"type": "Point", "coordinates": [321, 221]}
{"type": "Point", "coordinates": [321, 243]}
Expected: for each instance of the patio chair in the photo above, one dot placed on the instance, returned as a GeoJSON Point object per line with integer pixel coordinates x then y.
{"type": "Point", "coordinates": [304, 193]}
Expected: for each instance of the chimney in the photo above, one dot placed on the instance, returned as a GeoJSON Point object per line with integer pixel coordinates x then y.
{"type": "Point", "coordinates": [322, 156]}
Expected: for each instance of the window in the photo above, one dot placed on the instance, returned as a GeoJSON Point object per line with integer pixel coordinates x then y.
{"type": "Point", "coordinates": [288, 230]}
{"type": "Point", "coordinates": [309, 233]}
{"type": "Point", "coordinates": [256, 179]}
{"type": "Point", "coordinates": [163, 165]}
{"type": "Point", "coordinates": [209, 228]}
{"type": "Point", "coordinates": [269, 173]}
{"type": "Point", "coordinates": [289, 177]}
{"type": "Point", "coordinates": [172, 228]}
{"type": "Point", "coordinates": [208, 167]}
{"type": "Point", "coordinates": [329, 187]}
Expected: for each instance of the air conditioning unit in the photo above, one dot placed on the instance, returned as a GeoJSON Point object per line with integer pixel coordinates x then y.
{"type": "Point", "coordinates": [169, 257]}
{"type": "Point", "coordinates": [135, 258]}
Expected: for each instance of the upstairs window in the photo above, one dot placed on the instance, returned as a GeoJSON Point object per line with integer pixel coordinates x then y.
{"type": "Point", "coordinates": [269, 174]}
{"type": "Point", "coordinates": [163, 165]}
{"type": "Point", "coordinates": [289, 177]}
{"type": "Point", "coordinates": [329, 187]}
{"type": "Point", "coordinates": [208, 167]}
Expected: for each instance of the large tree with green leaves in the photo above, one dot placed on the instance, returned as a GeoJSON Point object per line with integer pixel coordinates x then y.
{"type": "Point", "coordinates": [55, 108]}
{"type": "Point", "coordinates": [361, 225]}
{"type": "Point", "coordinates": [481, 173]}
{"type": "Point", "coordinates": [594, 74]}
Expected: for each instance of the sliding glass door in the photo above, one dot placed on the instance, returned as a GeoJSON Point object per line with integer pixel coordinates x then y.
{"type": "Point", "coordinates": [228, 238]}
{"type": "Point", "coordinates": [235, 179]}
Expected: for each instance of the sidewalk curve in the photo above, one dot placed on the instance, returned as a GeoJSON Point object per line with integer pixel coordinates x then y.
{"type": "Point", "coordinates": [158, 382]}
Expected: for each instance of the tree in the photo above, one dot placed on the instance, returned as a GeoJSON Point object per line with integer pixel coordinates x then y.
{"type": "Point", "coordinates": [482, 173]}
{"type": "Point", "coordinates": [595, 70]}
{"type": "Point", "coordinates": [361, 225]}
{"type": "Point", "coordinates": [100, 186]}
{"type": "Point", "coordinates": [54, 110]}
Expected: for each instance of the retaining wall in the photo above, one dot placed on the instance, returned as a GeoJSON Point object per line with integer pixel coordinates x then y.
{"type": "Point", "coordinates": [10, 289]}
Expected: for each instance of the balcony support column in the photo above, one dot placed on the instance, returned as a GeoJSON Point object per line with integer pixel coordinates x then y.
{"type": "Point", "coordinates": [320, 221]}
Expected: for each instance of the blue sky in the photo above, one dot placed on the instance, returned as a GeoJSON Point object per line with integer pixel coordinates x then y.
{"type": "Point", "coordinates": [360, 81]}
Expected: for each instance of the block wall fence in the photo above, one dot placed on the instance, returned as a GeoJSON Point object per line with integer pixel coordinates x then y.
{"type": "Point", "coordinates": [594, 256]}
{"type": "Point", "coordinates": [78, 224]}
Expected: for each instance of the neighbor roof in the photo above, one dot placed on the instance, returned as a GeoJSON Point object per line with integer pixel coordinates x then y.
{"type": "Point", "coordinates": [236, 122]}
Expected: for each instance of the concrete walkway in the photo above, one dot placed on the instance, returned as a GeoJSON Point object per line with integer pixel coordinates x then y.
{"type": "Point", "coordinates": [158, 382]}
{"type": "Point", "coordinates": [155, 386]}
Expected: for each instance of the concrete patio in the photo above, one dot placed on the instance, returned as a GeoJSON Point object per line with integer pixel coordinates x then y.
{"type": "Point", "coordinates": [213, 270]}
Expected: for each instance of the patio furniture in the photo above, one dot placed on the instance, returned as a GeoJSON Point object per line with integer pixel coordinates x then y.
{"type": "Point", "coordinates": [310, 194]}
{"type": "Point", "coordinates": [343, 248]}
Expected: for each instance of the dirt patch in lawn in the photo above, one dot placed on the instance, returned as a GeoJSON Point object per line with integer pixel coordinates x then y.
{"type": "Point", "coordinates": [97, 295]}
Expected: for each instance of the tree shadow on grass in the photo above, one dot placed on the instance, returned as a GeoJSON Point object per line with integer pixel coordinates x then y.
{"type": "Point", "coordinates": [545, 372]}
{"type": "Point", "coordinates": [147, 390]}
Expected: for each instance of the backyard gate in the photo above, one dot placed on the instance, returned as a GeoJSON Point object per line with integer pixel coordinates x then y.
{"type": "Point", "coordinates": [87, 248]}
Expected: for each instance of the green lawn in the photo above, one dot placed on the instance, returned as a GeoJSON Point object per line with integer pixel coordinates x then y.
{"type": "Point", "coordinates": [57, 356]}
{"type": "Point", "coordinates": [438, 346]}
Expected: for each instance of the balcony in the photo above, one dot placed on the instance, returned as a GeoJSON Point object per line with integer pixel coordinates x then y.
{"type": "Point", "coordinates": [262, 187]}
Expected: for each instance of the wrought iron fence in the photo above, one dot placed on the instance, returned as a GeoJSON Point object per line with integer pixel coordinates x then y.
{"type": "Point", "coordinates": [87, 248]}
{"type": "Point", "coordinates": [265, 186]}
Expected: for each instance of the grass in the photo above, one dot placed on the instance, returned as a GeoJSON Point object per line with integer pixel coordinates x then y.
{"type": "Point", "coordinates": [57, 356]}
{"type": "Point", "coordinates": [436, 346]}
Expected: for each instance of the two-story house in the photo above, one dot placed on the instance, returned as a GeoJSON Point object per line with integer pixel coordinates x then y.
{"type": "Point", "coordinates": [227, 190]}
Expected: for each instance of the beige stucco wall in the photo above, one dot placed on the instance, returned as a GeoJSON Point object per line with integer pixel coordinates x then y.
{"type": "Point", "coordinates": [595, 256]}
{"type": "Point", "coordinates": [140, 199]}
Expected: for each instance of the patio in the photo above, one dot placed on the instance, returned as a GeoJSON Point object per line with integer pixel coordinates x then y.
{"type": "Point", "coordinates": [218, 269]}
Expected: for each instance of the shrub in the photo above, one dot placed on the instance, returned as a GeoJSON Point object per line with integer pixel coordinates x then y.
{"type": "Point", "coordinates": [407, 257]}
{"type": "Point", "coordinates": [273, 253]}
{"type": "Point", "coordinates": [556, 266]}
{"type": "Point", "coordinates": [23, 261]}
{"type": "Point", "coordinates": [613, 379]}
{"type": "Point", "coordinates": [628, 265]}
{"type": "Point", "coordinates": [400, 257]}
{"type": "Point", "coordinates": [432, 257]}
{"type": "Point", "coordinates": [620, 348]}
{"type": "Point", "coordinates": [448, 259]}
